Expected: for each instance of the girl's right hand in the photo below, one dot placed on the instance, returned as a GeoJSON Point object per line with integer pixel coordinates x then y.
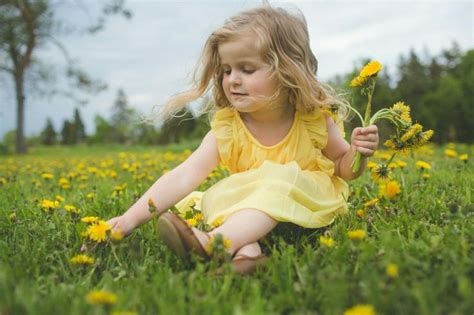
{"type": "Point", "coordinates": [121, 224]}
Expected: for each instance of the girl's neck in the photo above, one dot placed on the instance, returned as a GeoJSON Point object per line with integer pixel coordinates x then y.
{"type": "Point", "coordinates": [269, 118]}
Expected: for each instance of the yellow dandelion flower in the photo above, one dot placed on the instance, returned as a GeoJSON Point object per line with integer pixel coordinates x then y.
{"type": "Point", "coordinates": [464, 157]}
{"type": "Point", "coordinates": [371, 203]}
{"type": "Point", "coordinates": [426, 176]}
{"type": "Point", "coordinates": [365, 309]}
{"type": "Point", "coordinates": [403, 111]}
{"type": "Point", "coordinates": [216, 223]}
{"type": "Point", "coordinates": [71, 209]}
{"type": "Point", "coordinates": [371, 69]}
{"type": "Point", "coordinates": [423, 165]}
{"type": "Point", "coordinates": [218, 243]}
{"type": "Point", "coordinates": [90, 220]}
{"type": "Point", "coordinates": [82, 260]}
{"type": "Point", "coordinates": [450, 153]}
{"type": "Point", "coordinates": [191, 222]}
{"type": "Point", "coordinates": [360, 213]}
{"type": "Point", "coordinates": [3, 181]}
{"type": "Point", "coordinates": [12, 216]}
{"type": "Point", "coordinates": [359, 80]}
{"type": "Point", "coordinates": [412, 131]}
{"type": "Point", "coordinates": [101, 297]}
{"type": "Point", "coordinates": [116, 235]}
{"type": "Point", "coordinates": [371, 165]}
{"type": "Point", "coordinates": [47, 176]}
{"type": "Point", "coordinates": [381, 173]}
{"type": "Point", "coordinates": [451, 145]}
{"type": "Point", "coordinates": [48, 205]}
{"type": "Point", "coordinates": [390, 189]}
{"type": "Point", "coordinates": [63, 181]}
{"type": "Point", "coordinates": [90, 196]}
{"type": "Point", "coordinates": [401, 164]}
{"type": "Point", "coordinates": [356, 234]}
{"type": "Point", "coordinates": [198, 217]}
{"type": "Point", "coordinates": [326, 241]}
{"type": "Point", "coordinates": [392, 270]}
{"type": "Point", "coordinates": [98, 231]}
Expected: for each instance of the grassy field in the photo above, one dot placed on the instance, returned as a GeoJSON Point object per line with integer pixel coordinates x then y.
{"type": "Point", "coordinates": [412, 252]}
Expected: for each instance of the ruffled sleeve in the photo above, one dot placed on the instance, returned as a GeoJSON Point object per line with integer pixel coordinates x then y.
{"type": "Point", "coordinates": [316, 126]}
{"type": "Point", "coordinates": [222, 126]}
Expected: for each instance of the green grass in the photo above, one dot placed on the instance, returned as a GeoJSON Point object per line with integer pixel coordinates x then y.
{"type": "Point", "coordinates": [427, 231]}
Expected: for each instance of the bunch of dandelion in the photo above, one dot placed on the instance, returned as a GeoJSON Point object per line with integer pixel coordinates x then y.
{"type": "Point", "coordinates": [398, 115]}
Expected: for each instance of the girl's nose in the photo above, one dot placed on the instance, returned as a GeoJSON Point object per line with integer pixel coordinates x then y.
{"type": "Point", "coordinates": [234, 78]}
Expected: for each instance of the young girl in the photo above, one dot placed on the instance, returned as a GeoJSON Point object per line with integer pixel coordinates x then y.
{"type": "Point", "coordinates": [274, 132]}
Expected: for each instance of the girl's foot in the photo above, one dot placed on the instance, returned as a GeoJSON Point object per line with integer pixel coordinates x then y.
{"type": "Point", "coordinates": [179, 237]}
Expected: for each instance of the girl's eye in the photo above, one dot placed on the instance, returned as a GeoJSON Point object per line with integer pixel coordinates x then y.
{"type": "Point", "coordinates": [249, 71]}
{"type": "Point", "coordinates": [226, 72]}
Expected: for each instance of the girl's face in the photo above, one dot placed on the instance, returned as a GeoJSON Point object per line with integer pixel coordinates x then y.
{"type": "Point", "coordinates": [246, 75]}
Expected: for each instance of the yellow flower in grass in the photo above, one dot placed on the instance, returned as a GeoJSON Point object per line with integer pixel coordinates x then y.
{"type": "Point", "coordinates": [356, 234]}
{"type": "Point", "coordinates": [326, 241]}
{"type": "Point", "coordinates": [381, 173]}
{"type": "Point", "coordinates": [71, 209]}
{"type": "Point", "coordinates": [59, 198]}
{"type": "Point", "coordinates": [101, 297]}
{"type": "Point", "coordinates": [360, 213]}
{"type": "Point", "coordinates": [450, 153]}
{"type": "Point", "coordinates": [116, 235]}
{"type": "Point", "coordinates": [464, 157]}
{"type": "Point", "coordinates": [48, 205]}
{"type": "Point", "coordinates": [98, 231]}
{"type": "Point", "coordinates": [191, 222]}
{"type": "Point", "coordinates": [391, 270]}
{"type": "Point", "coordinates": [90, 220]}
{"type": "Point", "coordinates": [218, 243]}
{"type": "Point", "coordinates": [403, 111]}
{"type": "Point", "coordinates": [390, 189]}
{"type": "Point", "coordinates": [90, 196]}
{"type": "Point", "coordinates": [360, 310]}
{"type": "Point", "coordinates": [47, 176]}
{"type": "Point", "coordinates": [423, 165]}
{"type": "Point", "coordinates": [371, 203]}
{"type": "Point", "coordinates": [401, 164]}
{"type": "Point", "coordinates": [3, 181]}
{"type": "Point", "coordinates": [426, 176]}
{"type": "Point", "coordinates": [82, 260]}
{"type": "Point", "coordinates": [371, 165]}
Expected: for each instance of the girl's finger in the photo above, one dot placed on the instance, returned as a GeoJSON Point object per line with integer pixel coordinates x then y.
{"type": "Point", "coordinates": [365, 152]}
{"type": "Point", "coordinates": [366, 144]}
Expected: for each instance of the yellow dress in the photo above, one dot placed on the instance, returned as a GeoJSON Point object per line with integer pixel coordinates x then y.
{"type": "Point", "coordinates": [292, 181]}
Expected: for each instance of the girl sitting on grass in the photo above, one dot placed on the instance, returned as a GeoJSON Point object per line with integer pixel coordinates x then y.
{"type": "Point", "coordinates": [273, 130]}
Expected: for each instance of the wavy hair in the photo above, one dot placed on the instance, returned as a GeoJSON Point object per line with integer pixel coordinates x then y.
{"type": "Point", "coordinates": [283, 42]}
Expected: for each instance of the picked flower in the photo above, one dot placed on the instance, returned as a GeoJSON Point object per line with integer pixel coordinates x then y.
{"type": "Point", "coordinates": [381, 173]}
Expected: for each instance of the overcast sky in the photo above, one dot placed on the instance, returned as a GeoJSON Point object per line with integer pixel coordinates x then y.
{"type": "Point", "coordinates": [151, 55]}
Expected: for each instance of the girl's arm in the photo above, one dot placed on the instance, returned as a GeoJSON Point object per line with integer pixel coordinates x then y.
{"type": "Point", "coordinates": [171, 187]}
{"type": "Point", "coordinates": [365, 140]}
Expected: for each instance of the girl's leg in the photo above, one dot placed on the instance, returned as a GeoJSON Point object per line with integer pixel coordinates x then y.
{"type": "Point", "coordinates": [243, 227]}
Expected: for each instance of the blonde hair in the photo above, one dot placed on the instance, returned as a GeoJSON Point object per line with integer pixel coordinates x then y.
{"type": "Point", "coordinates": [283, 41]}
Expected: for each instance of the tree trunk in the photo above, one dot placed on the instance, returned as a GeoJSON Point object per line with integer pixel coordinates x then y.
{"type": "Point", "coordinates": [20, 114]}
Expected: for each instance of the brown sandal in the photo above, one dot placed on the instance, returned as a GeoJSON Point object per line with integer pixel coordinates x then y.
{"type": "Point", "coordinates": [179, 237]}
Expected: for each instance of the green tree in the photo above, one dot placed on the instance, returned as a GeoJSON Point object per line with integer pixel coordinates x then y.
{"type": "Point", "coordinates": [68, 133]}
{"type": "Point", "coordinates": [123, 120]}
{"type": "Point", "coordinates": [79, 129]}
{"type": "Point", "coordinates": [48, 135]}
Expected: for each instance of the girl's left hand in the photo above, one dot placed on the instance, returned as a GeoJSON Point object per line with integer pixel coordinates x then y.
{"type": "Point", "coordinates": [365, 140]}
